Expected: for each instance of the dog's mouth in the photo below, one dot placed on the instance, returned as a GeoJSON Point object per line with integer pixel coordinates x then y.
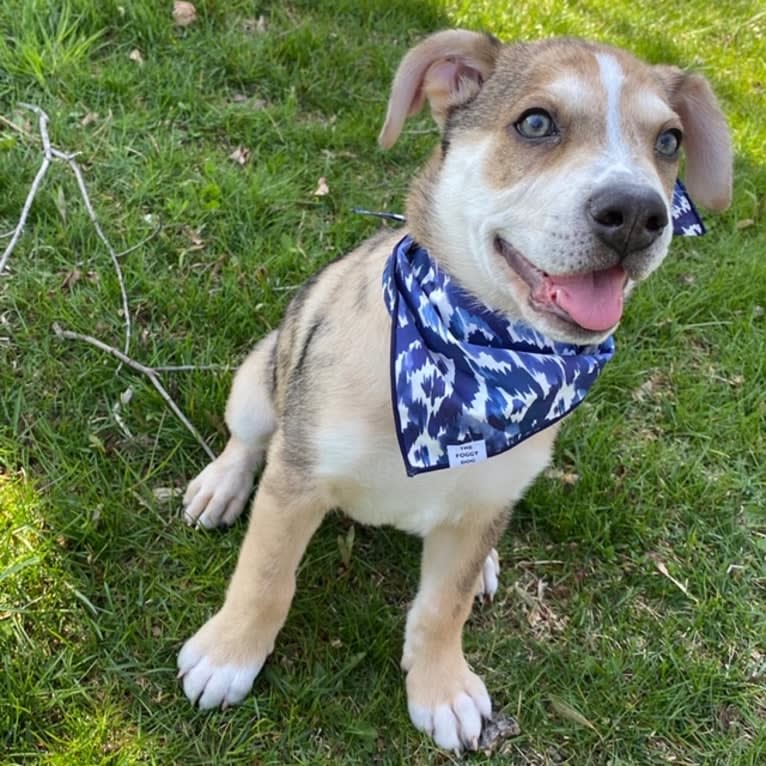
{"type": "Point", "coordinates": [592, 300]}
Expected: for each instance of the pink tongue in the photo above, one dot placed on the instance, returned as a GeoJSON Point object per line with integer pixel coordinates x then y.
{"type": "Point", "coordinates": [593, 300]}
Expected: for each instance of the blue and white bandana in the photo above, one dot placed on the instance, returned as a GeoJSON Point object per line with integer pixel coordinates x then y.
{"type": "Point", "coordinates": [467, 383]}
{"type": "Point", "coordinates": [686, 219]}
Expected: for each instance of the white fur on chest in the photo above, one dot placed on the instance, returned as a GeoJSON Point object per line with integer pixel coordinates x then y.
{"type": "Point", "coordinates": [368, 480]}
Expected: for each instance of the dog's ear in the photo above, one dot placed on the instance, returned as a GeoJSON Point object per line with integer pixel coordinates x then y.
{"type": "Point", "coordinates": [707, 143]}
{"type": "Point", "coordinates": [447, 68]}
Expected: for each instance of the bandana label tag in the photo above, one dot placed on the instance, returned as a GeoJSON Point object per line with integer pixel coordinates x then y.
{"type": "Point", "coordinates": [465, 454]}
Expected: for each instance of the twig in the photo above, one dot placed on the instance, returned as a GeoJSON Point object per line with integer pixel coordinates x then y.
{"type": "Point", "coordinates": [70, 160]}
{"type": "Point", "coordinates": [150, 373]}
{"type": "Point", "coordinates": [14, 126]}
{"type": "Point", "coordinates": [49, 154]}
{"type": "Point", "coordinates": [135, 247]}
{"type": "Point", "coordinates": [47, 159]}
{"type": "Point", "coordinates": [193, 368]}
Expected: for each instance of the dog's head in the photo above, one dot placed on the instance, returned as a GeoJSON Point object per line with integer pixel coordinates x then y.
{"type": "Point", "coordinates": [549, 197]}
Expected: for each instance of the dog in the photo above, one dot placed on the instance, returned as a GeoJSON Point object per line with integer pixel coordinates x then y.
{"type": "Point", "coordinates": [547, 200]}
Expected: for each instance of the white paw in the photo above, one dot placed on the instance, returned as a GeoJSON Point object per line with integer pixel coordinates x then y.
{"type": "Point", "coordinates": [488, 579]}
{"type": "Point", "coordinates": [210, 685]}
{"type": "Point", "coordinates": [219, 493]}
{"type": "Point", "coordinates": [456, 722]}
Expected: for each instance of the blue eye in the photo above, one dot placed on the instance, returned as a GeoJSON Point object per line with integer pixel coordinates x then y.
{"type": "Point", "coordinates": [668, 143]}
{"type": "Point", "coordinates": [536, 123]}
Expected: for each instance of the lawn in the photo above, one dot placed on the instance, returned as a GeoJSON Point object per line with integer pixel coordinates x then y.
{"type": "Point", "coordinates": [630, 623]}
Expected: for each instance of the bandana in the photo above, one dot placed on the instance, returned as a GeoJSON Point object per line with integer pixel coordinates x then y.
{"type": "Point", "coordinates": [466, 382]}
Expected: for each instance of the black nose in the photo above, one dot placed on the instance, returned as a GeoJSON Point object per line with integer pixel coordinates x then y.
{"type": "Point", "coordinates": [628, 217]}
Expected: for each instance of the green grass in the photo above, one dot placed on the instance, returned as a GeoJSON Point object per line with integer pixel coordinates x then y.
{"type": "Point", "coordinates": [100, 582]}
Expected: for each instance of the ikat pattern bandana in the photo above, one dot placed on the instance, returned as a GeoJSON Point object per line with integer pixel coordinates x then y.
{"type": "Point", "coordinates": [467, 383]}
{"type": "Point", "coordinates": [686, 219]}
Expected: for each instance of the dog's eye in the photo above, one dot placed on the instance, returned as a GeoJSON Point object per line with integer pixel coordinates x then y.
{"type": "Point", "coordinates": [536, 123]}
{"type": "Point", "coordinates": [668, 143]}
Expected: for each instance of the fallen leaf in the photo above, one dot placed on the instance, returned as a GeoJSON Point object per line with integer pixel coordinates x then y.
{"type": "Point", "coordinates": [195, 237]}
{"type": "Point", "coordinates": [657, 387]}
{"type": "Point", "coordinates": [565, 710]}
{"type": "Point", "coordinates": [746, 223]}
{"type": "Point", "coordinates": [71, 278]}
{"type": "Point", "coordinates": [322, 189]}
{"type": "Point", "coordinates": [663, 570]}
{"type": "Point", "coordinates": [89, 119]}
{"type": "Point", "coordinates": [135, 55]}
{"type": "Point", "coordinates": [565, 477]}
{"type": "Point", "coordinates": [241, 155]}
{"type": "Point", "coordinates": [184, 13]}
{"type": "Point", "coordinates": [496, 730]}
{"type": "Point", "coordinates": [728, 716]}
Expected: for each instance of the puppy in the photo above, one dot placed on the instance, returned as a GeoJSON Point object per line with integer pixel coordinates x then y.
{"type": "Point", "coordinates": [548, 198]}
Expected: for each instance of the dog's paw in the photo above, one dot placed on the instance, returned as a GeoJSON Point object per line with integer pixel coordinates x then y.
{"type": "Point", "coordinates": [488, 577]}
{"type": "Point", "coordinates": [219, 493]}
{"type": "Point", "coordinates": [213, 677]}
{"type": "Point", "coordinates": [449, 707]}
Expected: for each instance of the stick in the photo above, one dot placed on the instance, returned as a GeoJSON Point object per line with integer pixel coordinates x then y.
{"type": "Point", "coordinates": [135, 247]}
{"type": "Point", "coordinates": [150, 373]}
{"type": "Point", "coordinates": [47, 159]}
{"type": "Point", "coordinates": [14, 126]}
{"type": "Point", "coordinates": [193, 368]}
{"type": "Point", "coordinates": [49, 154]}
{"type": "Point", "coordinates": [69, 158]}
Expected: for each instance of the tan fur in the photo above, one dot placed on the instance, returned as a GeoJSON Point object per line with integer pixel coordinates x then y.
{"type": "Point", "coordinates": [315, 397]}
{"type": "Point", "coordinates": [709, 149]}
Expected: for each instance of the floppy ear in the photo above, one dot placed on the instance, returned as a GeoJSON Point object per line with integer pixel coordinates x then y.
{"type": "Point", "coordinates": [707, 143]}
{"type": "Point", "coordinates": [447, 68]}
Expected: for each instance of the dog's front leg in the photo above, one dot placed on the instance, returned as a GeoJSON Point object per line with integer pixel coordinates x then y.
{"type": "Point", "coordinates": [220, 662]}
{"type": "Point", "coordinates": [445, 698]}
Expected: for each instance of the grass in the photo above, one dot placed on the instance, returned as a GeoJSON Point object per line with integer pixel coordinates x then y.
{"type": "Point", "coordinates": [601, 657]}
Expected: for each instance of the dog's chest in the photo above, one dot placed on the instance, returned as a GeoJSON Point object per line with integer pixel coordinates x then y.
{"type": "Point", "coordinates": [365, 476]}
